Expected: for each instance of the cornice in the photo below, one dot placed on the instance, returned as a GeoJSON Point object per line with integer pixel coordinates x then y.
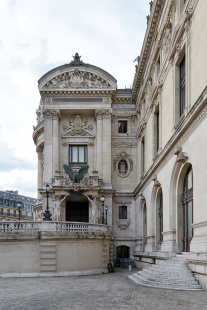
{"type": "Point", "coordinates": [151, 34]}
{"type": "Point", "coordinates": [195, 116]}
{"type": "Point", "coordinates": [177, 34]}
{"type": "Point", "coordinates": [77, 93]}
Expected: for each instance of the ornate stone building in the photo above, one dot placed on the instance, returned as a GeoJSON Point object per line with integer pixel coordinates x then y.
{"type": "Point", "coordinates": [145, 147]}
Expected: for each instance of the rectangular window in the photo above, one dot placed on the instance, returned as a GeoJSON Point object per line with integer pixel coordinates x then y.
{"type": "Point", "coordinates": [1, 211]}
{"type": "Point", "coordinates": [157, 130]}
{"type": "Point", "coordinates": [78, 154]}
{"type": "Point", "coordinates": [143, 156]}
{"type": "Point", "coordinates": [122, 212]}
{"type": "Point", "coordinates": [122, 127]}
{"type": "Point", "coordinates": [8, 212]}
{"type": "Point", "coordinates": [158, 66]}
{"type": "Point", "coordinates": [182, 86]}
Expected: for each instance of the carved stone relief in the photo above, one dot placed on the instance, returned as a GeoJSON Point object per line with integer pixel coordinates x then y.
{"type": "Point", "coordinates": [76, 78]}
{"type": "Point", "coordinates": [77, 127]}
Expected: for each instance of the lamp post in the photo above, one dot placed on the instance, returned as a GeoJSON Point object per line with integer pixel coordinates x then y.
{"type": "Point", "coordinates": [19, 207]}
{"type": "Point", "coordinates": [47, 214]}
{"type": "Point", "coordinates": [106, 209]}
{"type": "Point", "coordinates": [102, 201]}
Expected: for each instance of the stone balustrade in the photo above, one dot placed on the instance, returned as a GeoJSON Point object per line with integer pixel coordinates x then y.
{"type": "Point", "coordinates": [21, 226]}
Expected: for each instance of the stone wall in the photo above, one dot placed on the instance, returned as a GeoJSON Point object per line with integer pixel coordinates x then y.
{"type": "Point", "coordinates": [53, 252]}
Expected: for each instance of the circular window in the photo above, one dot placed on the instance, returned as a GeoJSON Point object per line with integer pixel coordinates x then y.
{"type": "Point", "coordinates": [122, 167]}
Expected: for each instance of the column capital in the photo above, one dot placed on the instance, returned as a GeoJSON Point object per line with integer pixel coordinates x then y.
{"type": "Point", "coordinates": [51, 113]}
{"type": "Point", "coordinates": [56, 114]}
{"type": "Point", "coordinates": [103, 113]}
{"type": "Point", "coordinates": [98, 114]}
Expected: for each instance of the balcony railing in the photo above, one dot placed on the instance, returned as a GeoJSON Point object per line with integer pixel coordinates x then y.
{"type": "Point", "coordinates": [21, 226]}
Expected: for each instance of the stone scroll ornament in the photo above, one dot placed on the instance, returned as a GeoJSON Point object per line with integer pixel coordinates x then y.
{"type": "Point", "coordinates": [76, 176]}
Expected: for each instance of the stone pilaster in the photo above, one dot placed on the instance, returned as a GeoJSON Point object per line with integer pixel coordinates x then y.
{"type": "Point", "coordinates": [47, 175]}
{"type": "Point", "coordinates": [99, 142]}
{"type": "Point", "coordinates": [55, 140]}
{"type": "Point", "coordinates": [39, 171]}
{"type": "Point", "coordinates": [107, 145]}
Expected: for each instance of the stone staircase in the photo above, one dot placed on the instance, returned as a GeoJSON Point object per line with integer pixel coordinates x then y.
{"type": "Point", "coordinates": [172, 274]}
{"type": "Point", "coordinates": [48, 257]}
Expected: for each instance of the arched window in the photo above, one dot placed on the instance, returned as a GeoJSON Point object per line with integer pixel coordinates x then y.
{"type": "Point", "coordinates": [123, 167]}
{"type": "Point", "coordinates": [187, 201]}
{"type": "Point", "coordinates": [160, 218]}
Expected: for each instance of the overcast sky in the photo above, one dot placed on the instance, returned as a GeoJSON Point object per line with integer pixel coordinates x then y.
{"type": "Point", "coordinates": [39, 35]}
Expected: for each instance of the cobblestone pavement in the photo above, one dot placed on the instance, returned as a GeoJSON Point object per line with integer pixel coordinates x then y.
{"type": "Point", "coordinates": [107, 291]}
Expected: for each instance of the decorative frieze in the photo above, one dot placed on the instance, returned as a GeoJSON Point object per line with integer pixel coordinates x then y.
{"type": "Point", "coordinates": [123, 106]}
{"type": "Point", "coordinates": [78, 140]}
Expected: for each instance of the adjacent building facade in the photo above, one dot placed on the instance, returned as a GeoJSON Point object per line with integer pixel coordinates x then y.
{"type": "Point", "coordinates": [145, 147]}
{"type": "Point", "coordinates": [8, 206]}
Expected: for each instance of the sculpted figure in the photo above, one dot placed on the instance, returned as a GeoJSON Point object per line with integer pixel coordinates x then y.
{"type": "Point", "coordinates": [56, 205]}
{"type": "Point", "coordinates": [94, 210]}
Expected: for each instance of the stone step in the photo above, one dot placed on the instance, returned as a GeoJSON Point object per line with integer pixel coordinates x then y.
{"type": "Point", "coordinates": [145, 277]}
{"type": "Point", "coordinates": [48, 255]}
{"type": "Point", "coordinates": [48, 250]}
{"type": "Point", "coordinates": [46, 268]}
{"type": "Point", "coordinates": [171, 276]}
{"type": "Point", "coordinates": [169, 284]}
{"type": "Point", "coordinates": [167, 275]}
{"type": "Point", "coordinates": [48, 243]}
{"type": "Point", "coordinates": [165, 286]}
{"type": "Point", "coordinates": [47, 262]}
{"type": "Point", "coordinates": [170, 270]}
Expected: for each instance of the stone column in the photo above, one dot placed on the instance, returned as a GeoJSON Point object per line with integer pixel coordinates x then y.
{"type": "Point", "coordinates": [99, 141]}
{"type": "Point", "coordinates": [47, 175]}
{"type": "Point", "coordinates": [107, 145]}
{"type": "Point", "coordinates": [39, 171]}
{"type": "Point", "coordinates": [55, 140]}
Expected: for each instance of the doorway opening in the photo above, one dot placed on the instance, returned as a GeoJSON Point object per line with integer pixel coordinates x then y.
{"type": "Point", "coordinates": [77, 211]}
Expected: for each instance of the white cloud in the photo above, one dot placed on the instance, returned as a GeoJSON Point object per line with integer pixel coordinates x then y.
{"type": "Point", "coordinates": [22, 19]}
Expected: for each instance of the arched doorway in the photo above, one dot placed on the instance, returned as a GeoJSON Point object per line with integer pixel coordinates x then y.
{"type": "Point", "coordinates": [122, 251]}
{"type": "Point", "coordinates": [159, 219]}
{"type": "Point", "coordinates": [187, 208]}
{"type": "Point", "coordinates": [144, 225]}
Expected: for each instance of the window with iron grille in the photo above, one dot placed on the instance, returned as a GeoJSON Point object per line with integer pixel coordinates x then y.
{"type": "Point", "coordinates": [122, 212]}
{"type": "Point", "coordinates": [122, 127]}
{"type": "Point", "coordinates": [78, 154]}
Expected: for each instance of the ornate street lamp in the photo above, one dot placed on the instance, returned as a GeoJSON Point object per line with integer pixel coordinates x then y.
{"type": "Point", "coordinates": [106, 209]}
{"type": "Point", "coordinates": [47, 214]}
{"type": "Point", "coordinates": [19, 205]}
{"type": "Point", "coordinates": [102, 200]}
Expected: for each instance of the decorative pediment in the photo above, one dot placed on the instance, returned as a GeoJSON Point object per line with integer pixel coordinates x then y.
{"type": "Point", "coordinates": [77, 127]}
{"type": "Point", "coordinates": [75, 78]}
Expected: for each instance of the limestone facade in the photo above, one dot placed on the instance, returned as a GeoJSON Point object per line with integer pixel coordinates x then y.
{"type": "Point", "coordinates": [145, 147]}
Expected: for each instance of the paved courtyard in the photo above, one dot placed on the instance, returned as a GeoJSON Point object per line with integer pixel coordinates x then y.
{"type": "Point", "coordinates": [110, 291]}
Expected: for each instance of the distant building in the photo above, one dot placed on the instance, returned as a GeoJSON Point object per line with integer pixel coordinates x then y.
{"type": "Point", "coordinates": [8, 206]}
